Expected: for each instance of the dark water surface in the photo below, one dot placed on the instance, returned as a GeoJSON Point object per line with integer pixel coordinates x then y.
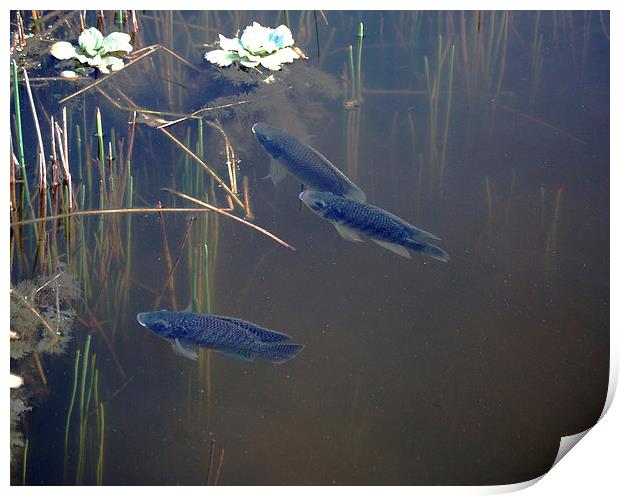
{"type": "Point", "coordinates": [414, 371]}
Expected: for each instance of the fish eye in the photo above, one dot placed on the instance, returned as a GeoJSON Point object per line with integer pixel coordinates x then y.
{"type": "Point", "coordinates": [320, 204]}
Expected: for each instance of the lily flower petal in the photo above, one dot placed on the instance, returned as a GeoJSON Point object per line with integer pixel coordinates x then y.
{"type": "Point", "coordinates": [282, 36]}
{"type": "Point", "coordinates": [255, 39]}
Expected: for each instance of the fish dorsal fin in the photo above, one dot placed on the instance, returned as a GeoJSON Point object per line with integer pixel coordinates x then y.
{"type": "Point", "coordinates": [277, 172]}
{"type": "Point", "coordinates": [179, 349]}
{"type": "Point", "coordinates": [347, 233]}
{"type": "Point", "coordinates": [400, 250]}
{"type": "Point", "coordinates": [245, 356]}
{"type": "Point", "coordinates": [414, 232]}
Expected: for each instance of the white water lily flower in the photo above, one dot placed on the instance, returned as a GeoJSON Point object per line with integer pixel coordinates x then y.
{"type": "Point", "coordinates": [282, 36]}
{"type": "Point", "coordinates": [258, 45]}
{"type": "Point", "coordinates": [95, 50]}
{"type": "Point", "coordinates": [255, 39]}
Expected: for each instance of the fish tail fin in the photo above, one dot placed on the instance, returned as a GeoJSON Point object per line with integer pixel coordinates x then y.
{"type": "Point", "coordinates": [279, 352]}
{"type": "Point", "coordinates": [420, 233]}
{"type": "Point", "coordinates": [428, 249]}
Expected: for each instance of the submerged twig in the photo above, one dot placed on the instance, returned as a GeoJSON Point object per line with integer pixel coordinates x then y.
{"type": "Point", "coordinates": [226, 214]}
{"type": "Point", "coordinates": [205, 166]}
{"type": "Point", "coordinates": [108, 212]}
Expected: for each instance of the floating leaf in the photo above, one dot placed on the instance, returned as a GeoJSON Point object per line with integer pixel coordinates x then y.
{"type": "Point", "coordinates": [222, 58]}
{"type": "Point", "coordinates": [91, 41]}
{"type": "Point", "coordinates": [113, 62]}
{"type": "Point", "coordinates": [63, 50]}
{"type": "Point", "coordinates": [275, 60]}
{"type": "Point", "coordinates": [116, 42]}
{"type": "Point", "coordinates": [244, 61]}
{"type": "Point", "coordinates": [230, 44]}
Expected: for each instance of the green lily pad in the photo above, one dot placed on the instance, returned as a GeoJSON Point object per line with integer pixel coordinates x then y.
{"type": "Point", "coordinates": [91, 41]}
{"type": "Point", "coordinates": [116, 42]}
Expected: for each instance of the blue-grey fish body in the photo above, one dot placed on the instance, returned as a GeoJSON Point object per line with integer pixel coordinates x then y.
{"type": "Point", "coordinates": [352, 218]}
{"type": "Point", "coordinates": [232, 337]}
{"type": "Point", "coordinates": [290, 154]}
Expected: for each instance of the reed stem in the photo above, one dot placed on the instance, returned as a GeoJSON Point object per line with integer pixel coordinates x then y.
{"type": "Point", "coordinates": [70, 410]}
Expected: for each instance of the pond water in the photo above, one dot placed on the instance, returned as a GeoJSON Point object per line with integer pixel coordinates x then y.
{"type": "Point", "coordinates": [488, 129]}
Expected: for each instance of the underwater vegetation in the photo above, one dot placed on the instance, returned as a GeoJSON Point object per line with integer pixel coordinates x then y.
{"type": "Point", "coordinates": [42, 315]}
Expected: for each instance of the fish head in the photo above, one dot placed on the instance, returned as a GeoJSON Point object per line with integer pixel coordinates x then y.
{"type": "Point", "coordinates": [322, 203]}
{"type": "Point", "coordinates": [160, 322]}
{"type": "Point", "coordinates": [270, 138]}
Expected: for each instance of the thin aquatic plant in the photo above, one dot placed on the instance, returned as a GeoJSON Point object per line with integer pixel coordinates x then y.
{"type": "Point", "coordinates": [82, 426]}
{"type": "Point", "coordinates": [70, 409]}
{"type": "Point", "coordinates": [25, 462]}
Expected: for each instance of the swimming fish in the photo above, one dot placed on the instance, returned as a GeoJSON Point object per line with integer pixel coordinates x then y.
{"type": "Point", "coordinates": [289, 154]}
{"type": "Point", "coordinates": [352, 218]}
{"type": "Point", "coordinates": [232, 337]}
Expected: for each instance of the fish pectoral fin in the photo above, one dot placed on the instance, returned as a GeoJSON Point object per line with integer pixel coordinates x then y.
{"type": "Point", "coordinates": [179, 349]}
{"type": "Point", "coordinates": [245, 356]}
{"type": "Point", "coordinates": [347, 233]}
{"type": "Point", "coordinates": [277, 172]}
{"type": "Point", "coordinates": [400, 250]}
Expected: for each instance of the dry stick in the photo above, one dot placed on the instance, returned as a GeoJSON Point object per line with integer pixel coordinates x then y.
{"type": "Point", "coordinates": [111, 211]}
{"type": "Point", "coordinates": [151, 49]}
{"type": "Point", "coordinates": [37, 362]}
{"type": "Point", "coordinates": [188, 226]}
{"type": "Point", "coordinates": [541, 122]}
{"type": "Point", "coordinates": [42, 176]}
{"type": "Point", "coordinates": [97, 325]}
{"type": "Point", "coordinates": [64, 162]}
{"type": "Point", "coordinates": [113, 395]}
{"type": "Point", "coordinates": [205, 166]}
{"type": "Point", "coordinates": [146, 119]}
{"type": "Point", "coordinates": [210, 466]}
{"type": "Point", "coordinates": [230, 155]}
{"type": "Point", "coordinates": [36, 313]}
{"type": "Point", "coordinates": [246, 197]}
{"type": "Point", "coordinates": [219, 468]}
{"type": "Point", "coordinates": [226, 214]}
{"type": "Point", "coordinates": [148, 51]}
{"type": "Point", "coordinates": [170, 280]}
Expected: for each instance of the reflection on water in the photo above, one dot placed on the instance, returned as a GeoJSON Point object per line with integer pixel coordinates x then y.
{"type": "Point", "coordinates": [490, 129]}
